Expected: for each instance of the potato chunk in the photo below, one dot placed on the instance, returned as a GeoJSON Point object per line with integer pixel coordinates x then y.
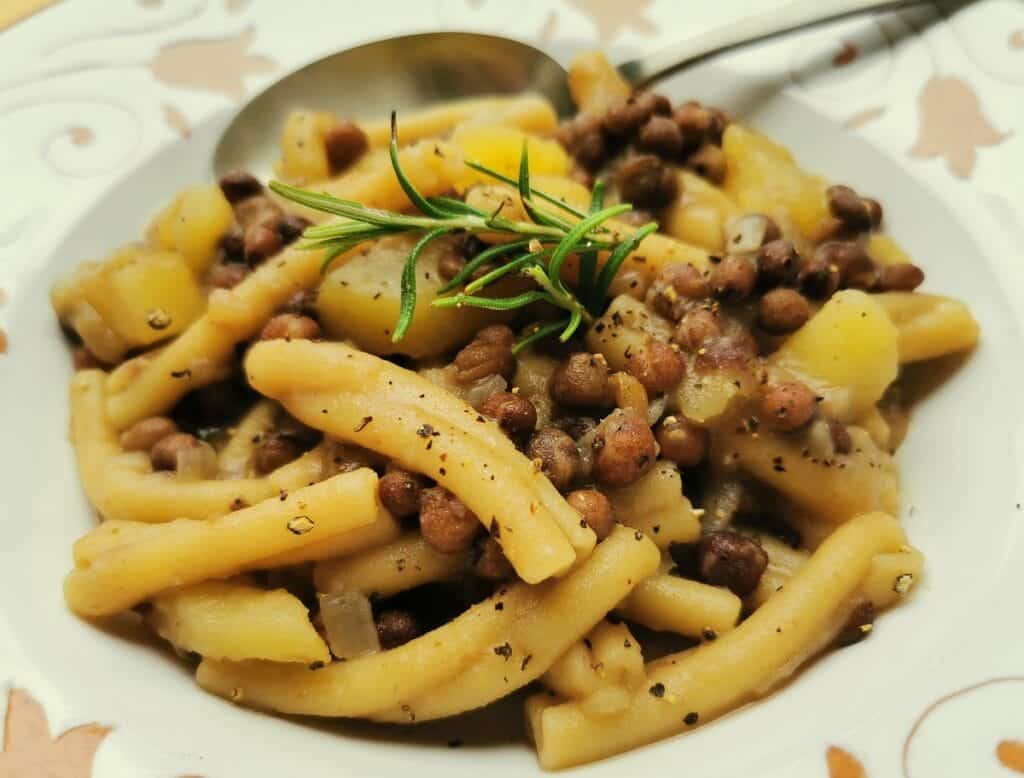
{"type": "Point", "coordinates": [229, 620]}
{"type": "Point", "coordinates": [929, 325]}
{"type": "Point", "coordinates": [763, 177]}
{"type": "Point", "coordinates": [303, 153]}
{"type": "Point", "coordinates": [848, 352]}
{"type": "Point", "coordinates": [193, 223]}
{"type": "Point", "coordinates": [135, 298]}
{"type": "Point", "coordinates": [700, 213]}
{"type": "Point", "coordinates": [360, 300]}
{"type": "Point", "coordinates": [499, 148]}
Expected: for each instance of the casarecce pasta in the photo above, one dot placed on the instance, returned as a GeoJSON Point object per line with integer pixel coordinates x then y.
{"type": "Point", "coordinates": [566, 386]}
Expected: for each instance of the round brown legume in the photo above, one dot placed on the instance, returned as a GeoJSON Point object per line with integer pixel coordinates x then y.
{"type": "Point", "coordinates": [624, 449]}
{"type": "Point", "coordinates": [733, 279]}
{"type": "Point", "coordinates": [694, 121]}
{"type": "Point", "coordinates": [817, 278]}
{"type": "Point", "coordinates": [697, 327]}
{"type": "Point", "coordinates": [788, 406]}
{"type": "Point", "coordinates": [899, 278]}
{"type": "Point", "coordinates": [558, 455]}
{"type": "Point", "coordinates": [731, 560]}
{"type": "Point", "coordinates": [291, 227]}
{"type": "Point", "coordinates": [661, 136]}
{"type": "Point", "coordinates": [396, 628]}
{"type": "Point", "coordinates": [646, 182]}
{"type": "Point", "coordinates": [489, 353]}
{"type": "Point", "coordinates": [777, 264]}
{"type": "Point", "coordinates": [682, 442]}
{"type": "Point", "coordinates": [581, 381]}
{"type": "Point", "coordinates": [874, 211]}
{"type": "Point", "coordinates": [273, 452]}
{"type": "Point", "coordinates": [492, 564]}
{"type": "Point", "coordinates": [847, 206]}
{"type": "Point", "coordinates": [164, 453]}
{"type": "Point", "coordinates": [146, 433]}
{"type": "Point", "coordinates": [515, 414]}
{"type": "Point", "coordinates": [627, 116]}
{"type": "Point", "coordinates": [445, 521]}
{"type": "Point", "coordinates": [595, 509]}
{"type": "Point", "coordinates": [261, 243]}
{"type": "Point", "coordinates": [238, 185]}
{"type": "Point", "coordinates": [399, 492]}
{"type": "Point", "coordinates": [658, 366]}
{"type": "Point", "coordinates": [345, 143]}
{"type": "Point", "coordinates": [782, 311]}
{"type": "Point", "coordinates": [291, 326]}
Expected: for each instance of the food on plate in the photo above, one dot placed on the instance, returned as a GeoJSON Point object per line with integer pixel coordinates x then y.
{"type": "Point", "coordinates": [482, 401]}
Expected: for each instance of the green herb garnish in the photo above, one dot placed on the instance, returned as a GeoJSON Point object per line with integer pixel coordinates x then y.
{"type": "Point", "coordinates": [538, 250]}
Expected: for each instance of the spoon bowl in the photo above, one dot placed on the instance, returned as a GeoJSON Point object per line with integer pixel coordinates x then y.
{"type": "Point", "coordinates": [402, 74]}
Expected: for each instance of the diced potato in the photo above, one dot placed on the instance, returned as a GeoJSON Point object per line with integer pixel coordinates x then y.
{"type": "Point", "coordinates": [832, 491]}
{"type": "Point", "coordinates": [626, 327]}
{"type": "Point", "coordinates": [700, 213]}
{"type": "Point", "coordinates": [233, 621]}
{"type": "Point", "coordinates": [360, 300]}
{"type": "Point", "coordinates": [532, 378]}
{"type": "Point", "coordinates": [885, 251]}
{"type": "Point", "coordinates": [500, 148]}
{"type": "Point", "coordinates": [847, 352]}
{"type": "Point", "coordinates": [193, 223]}
{"type": "Point", "coordinates": [929, 325]}
{"type": "Point", "coordinates": [134, 298]}
{"type": "Point", "coordinates": [656, 505]}
{"type": "Point", "coordinates": [594, 84]}
{"type": "Point", "coordinates": [704, 396]}
{"type": "Point", "coordinates": [303, 152]}
{"type": "Point", "coordinates": [763, 177]}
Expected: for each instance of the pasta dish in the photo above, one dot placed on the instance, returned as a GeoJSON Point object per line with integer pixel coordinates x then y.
{"type": "Point", "coordinates": [601, 412]}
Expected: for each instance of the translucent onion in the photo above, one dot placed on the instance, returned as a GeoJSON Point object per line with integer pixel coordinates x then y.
{"type": "Point", "coordinates": [348, 621]}
{"type": "Point", "coordinates": [747, 233]}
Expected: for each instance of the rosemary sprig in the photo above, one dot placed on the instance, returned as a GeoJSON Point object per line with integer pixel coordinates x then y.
{"type": "Point", "coordinates": [536, 249]}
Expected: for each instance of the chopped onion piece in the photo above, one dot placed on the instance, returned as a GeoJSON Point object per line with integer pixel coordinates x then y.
{"type": "Point", "coordinates": [477, 394]}
{"type": "Point", "coordinates": [746, 233]}
{"type": "Point", "coordinates": [656, 409]}
{"type": "Point", "coordinates": [348, 621]}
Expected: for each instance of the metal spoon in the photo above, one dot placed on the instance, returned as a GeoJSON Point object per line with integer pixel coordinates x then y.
{"type": "Point", "coordinates": [415, 70]}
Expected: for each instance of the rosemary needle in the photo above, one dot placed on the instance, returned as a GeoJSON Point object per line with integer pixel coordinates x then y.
{"type": "Point", "coordinates": [537, 248]}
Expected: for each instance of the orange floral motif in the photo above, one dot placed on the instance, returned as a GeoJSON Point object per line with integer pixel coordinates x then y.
{"type": "Point", "coordinates": [613, 17]}
{"type": "Point", "coordinates": [1016, 39]}
{"type": "Point", "coordinates": [861, 118]}
{"type": "Point", "coordinates": [218, 65]}
{"type": "Point", "coordinates": [1010, 753]}
{"type": "Point", "coordinates": [952, 125]}
{"type": "Point", "coordinates": [30, 751]}
{"type": "Point", "coordinates": [843, 764]}
{"type": "Point", "coordinates": [176, 120]}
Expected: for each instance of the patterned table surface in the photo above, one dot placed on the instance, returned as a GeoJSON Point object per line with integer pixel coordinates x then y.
{"type": "Point", "coordinates": [90, 87]}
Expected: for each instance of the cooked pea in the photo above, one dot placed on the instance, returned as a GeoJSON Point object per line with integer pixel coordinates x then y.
{"type": "Point", "coordinates": [624, 449]}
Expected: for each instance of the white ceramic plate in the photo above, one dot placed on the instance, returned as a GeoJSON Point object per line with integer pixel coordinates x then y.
{"type": "Point", "coordinates": [961, 627]}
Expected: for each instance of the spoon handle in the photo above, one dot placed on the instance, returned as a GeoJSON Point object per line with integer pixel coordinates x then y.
{"type": "Point", "coordinates": [762, 26]}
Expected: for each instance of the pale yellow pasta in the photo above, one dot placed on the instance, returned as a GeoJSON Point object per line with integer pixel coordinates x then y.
{"type": "Point", "coordinates": [783, 562]}
{"type": "Point", "coordinates": [454, 666]}
{"type": "Point", "coordinates": [187, 551]}
{"type": "Point", "coordinates": [565, 611]}
{"type": "Point", "coordinates": [831, 490]}
{"type": "Point", "coordinates": [528, 112]}
{"type": "Point", "coordinates": [344, 392]}
{"type": "Point", "coordinates": [704, 683]}
{"type": "Point", "coordinates": [235, 621]}
{"type": "Point", "coordinates": [573, 674]}
{"type": "Point", "coordinates": [384, 529]}
{"type": "Point", "coordinates": [673, 604]}
{"type": "Point", "coordinates": [123, 486]}
{"type": "Point", "coordinates": [656, 505]}
{"type": "Point", "coordinates": [601, 670]}
{"type": "Point", "coordinates": [403, 564]}
{"type": "Point", "coordinates": [892, 576]}
{"type": "Point", "coordinates": [929, 325]}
